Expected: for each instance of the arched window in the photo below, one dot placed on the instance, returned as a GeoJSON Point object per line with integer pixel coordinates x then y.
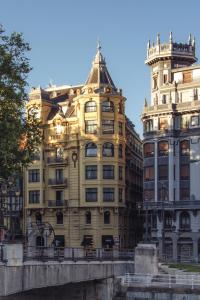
{"type": "Point", "coordinates": [90, 106]}
{"type": "Point", "coordinates": [107, 106]}
{"type": "Point", "coordinates": [184, 220]}
{"type": "Point", "coordinates": [163, 148]}
{"type": "Point", "coordinates": [59, 218]}
{"type": "Point", "coordinates": [88, 217]}
{"type": "Point", "coordinates": [108, 150]}
{"type": "Point", "coordinates": [120, 151]}
{"type": "Point", "coordinates": [38, 218]}
{"type": "Point", "coordinates": [185, 148]}
{"type": "Point", "coordinates": [91, 149]}
{"type": "Point", "coordinates": [106, 217]}
{"type": "Point", "coordinates": [149, 150]}
{"type": "Point", "coordinates": [39, 241]}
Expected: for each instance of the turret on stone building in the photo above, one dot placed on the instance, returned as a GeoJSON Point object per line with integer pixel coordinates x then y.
{"type": "Point", "coordinates": [172, 149]}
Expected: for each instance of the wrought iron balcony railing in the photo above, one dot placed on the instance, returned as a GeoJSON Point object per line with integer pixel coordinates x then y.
{"type": "Point", "coordinates": [57, 181]}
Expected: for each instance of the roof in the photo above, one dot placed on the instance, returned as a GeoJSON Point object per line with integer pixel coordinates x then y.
{"type": "Point", "coordinates": [99, 74]}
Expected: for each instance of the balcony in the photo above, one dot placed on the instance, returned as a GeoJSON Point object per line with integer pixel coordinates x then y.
{"type": "Point", "coordinates": [57, 203]}
{"type": "Point", "coordinates": [57, 182]}
{"type": "Point", "coordinates": [57, 161]}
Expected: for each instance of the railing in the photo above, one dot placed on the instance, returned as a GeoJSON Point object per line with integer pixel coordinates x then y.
{"type": "Point", "coordinates": [56, 181]}
{"type": "Point", "coordinates": [75, 254]}
{"type": "Point", "coordinates": [57, 160]}
{"type": "Point", "coordinates": [162, 280]}
{"type": "Point", "coordinates": [57, 203]}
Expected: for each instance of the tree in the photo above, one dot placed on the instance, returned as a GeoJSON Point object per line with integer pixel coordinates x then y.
{"type": "Point", "coordinates": [19, 136]}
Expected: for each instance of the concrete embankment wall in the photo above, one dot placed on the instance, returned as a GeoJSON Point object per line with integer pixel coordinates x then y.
{"type": "Point", "coordinates": [33, 275]}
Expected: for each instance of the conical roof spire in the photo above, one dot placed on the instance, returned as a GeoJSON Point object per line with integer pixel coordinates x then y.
{"type": "Point", "coordinates": [99, 74]}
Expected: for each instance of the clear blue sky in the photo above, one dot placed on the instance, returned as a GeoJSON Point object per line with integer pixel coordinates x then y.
{"type": "Point", "coordinates": [63, 36]}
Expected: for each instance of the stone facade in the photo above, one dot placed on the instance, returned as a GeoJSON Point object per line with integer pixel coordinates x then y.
{"type": "Point", "coordinates": [172, 149]}
{"type": "Point", "coordinates": [84, 183]}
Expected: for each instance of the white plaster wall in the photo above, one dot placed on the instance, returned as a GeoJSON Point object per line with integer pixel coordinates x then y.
{"type": "Point", "coordinates": [196, 74]}
{"type": "Point", "coordinates": [178, 77]}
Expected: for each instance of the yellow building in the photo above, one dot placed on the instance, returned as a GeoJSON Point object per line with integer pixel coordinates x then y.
{"type": "Point", "coordinates": [87, 178]}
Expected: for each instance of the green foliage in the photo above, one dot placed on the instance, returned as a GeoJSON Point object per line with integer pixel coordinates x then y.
{"type": "Point", "coordinates": [185, 267]}
{"type": "Point", "coordinates": [19, 136]}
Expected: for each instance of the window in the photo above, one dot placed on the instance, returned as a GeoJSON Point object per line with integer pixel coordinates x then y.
{"type": "Point", "coordinates": [184, 172]}
{"type": "Point", "coordinates": [155, 82]}
{"type": "Point", "coordinates": [59, 218]}
{"type": "Point", "coordinates": [108, 126]}
{"type": "Point", "coordinates": [108, 194]}
{"type": "Point", "coordinates": [163, 193]}
{"type": "Point", "coordinates": [165, 78]}
{"type": "Point", "coordinates": [35, 155]}
{"type": "Point", "coordinates": [106, 217]}
{"type": "Point", "coordinates": [34, 175]}
{"type": "Point", "coordinates": [195, 121]}
{"type": "Point", "coordinates": [108, 150]}
{"type": "Point", "coordinates": [91, 150]}
{"type": "Point", "coordinates": [59, 153]}
{"type": "Point", "coordinates": [120, 151]}
{"type": "Point", "coordinates": [184, 220]}
{"type": "Point", "coordinates": [38, 218]}
{"type": "Point", "coordinates": [164, 99]}
{"type": "Point", "coordinates": [187, 77]}
{"type": "Point", "coordinates": [91, 172]}
{"type": "Point", "coordinates": [120, 109]}
{"type": "Point", "coordinates": [120, 195]}
{"type": "Point", "coordinates": [184, 194]}
{"type": "Point", "coordinates": [168, 220]}
{"type": "Point", "coordinates": [34, 197]}
{"type": "Point", "coordinates": [163, 123]}
{"type": "Point", "coordinates": [59, 198]}
{"type": "Point", "coordinates": [163, 148]}
{"type": "Point", "coordinates": [39, 241]}
{"type": "Point", "coordinates": [149, 150]}
{"type": "Point", "coordinates": [163, 172]}
{"type": "Point", "coordinates": [149, 195]}
{"type": "Point", "coordinates": [148, 126]}
{"type": "Point", "coordinates": [88, 217]}
{"type": "Point", "coordinates": [149, 173]}
{"type": "Point", "coordinates": [120, 126]}
{"type": "Point", "coordinates": [91, 126]}
{"type": "Point", "coordinates": [59, 175]}
{"type": "Point", "coordinates": [90, 106]}
{"type": "Point", "coordinates": [107, 106]}
{"type": "Point", "coordinates": [91, 194]}
{"type": "Point", "coordinates": [120, 172]}
{"type": "Point", "coordinates": [185, 148]}
{"type": "Point", "coordinates": [108, 172]}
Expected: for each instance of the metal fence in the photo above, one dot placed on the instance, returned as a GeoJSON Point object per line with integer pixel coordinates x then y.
{"type": "Point", "coordinates": [162, 280]}
{"type": "Point", "coordinates": [74, 254]}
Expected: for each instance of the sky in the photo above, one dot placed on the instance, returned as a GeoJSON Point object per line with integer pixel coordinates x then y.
{"type": "Point", "coordinates": [63, 36]}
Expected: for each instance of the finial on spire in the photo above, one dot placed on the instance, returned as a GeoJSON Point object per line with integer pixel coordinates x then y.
{"type": "Point", "coordinates": [98, 45]}
{"type": "Point", "coordinates": [145, 102]}
{"type": "Point", "coordinates": [158, 39]}
{"type": "Point", "coordinates": [149, 44]}
{"type": "Point", "coordinates": [193, 41]}
{"type": "Point", "coordinates": [190, 39]}
{"type": "Point", "coordinates": [170, 37]}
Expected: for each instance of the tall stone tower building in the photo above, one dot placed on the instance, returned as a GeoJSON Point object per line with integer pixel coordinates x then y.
{"type": "Point", "coordinates": [172, 149]}
{"type": "Point", "coordinates": [87, 178]}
